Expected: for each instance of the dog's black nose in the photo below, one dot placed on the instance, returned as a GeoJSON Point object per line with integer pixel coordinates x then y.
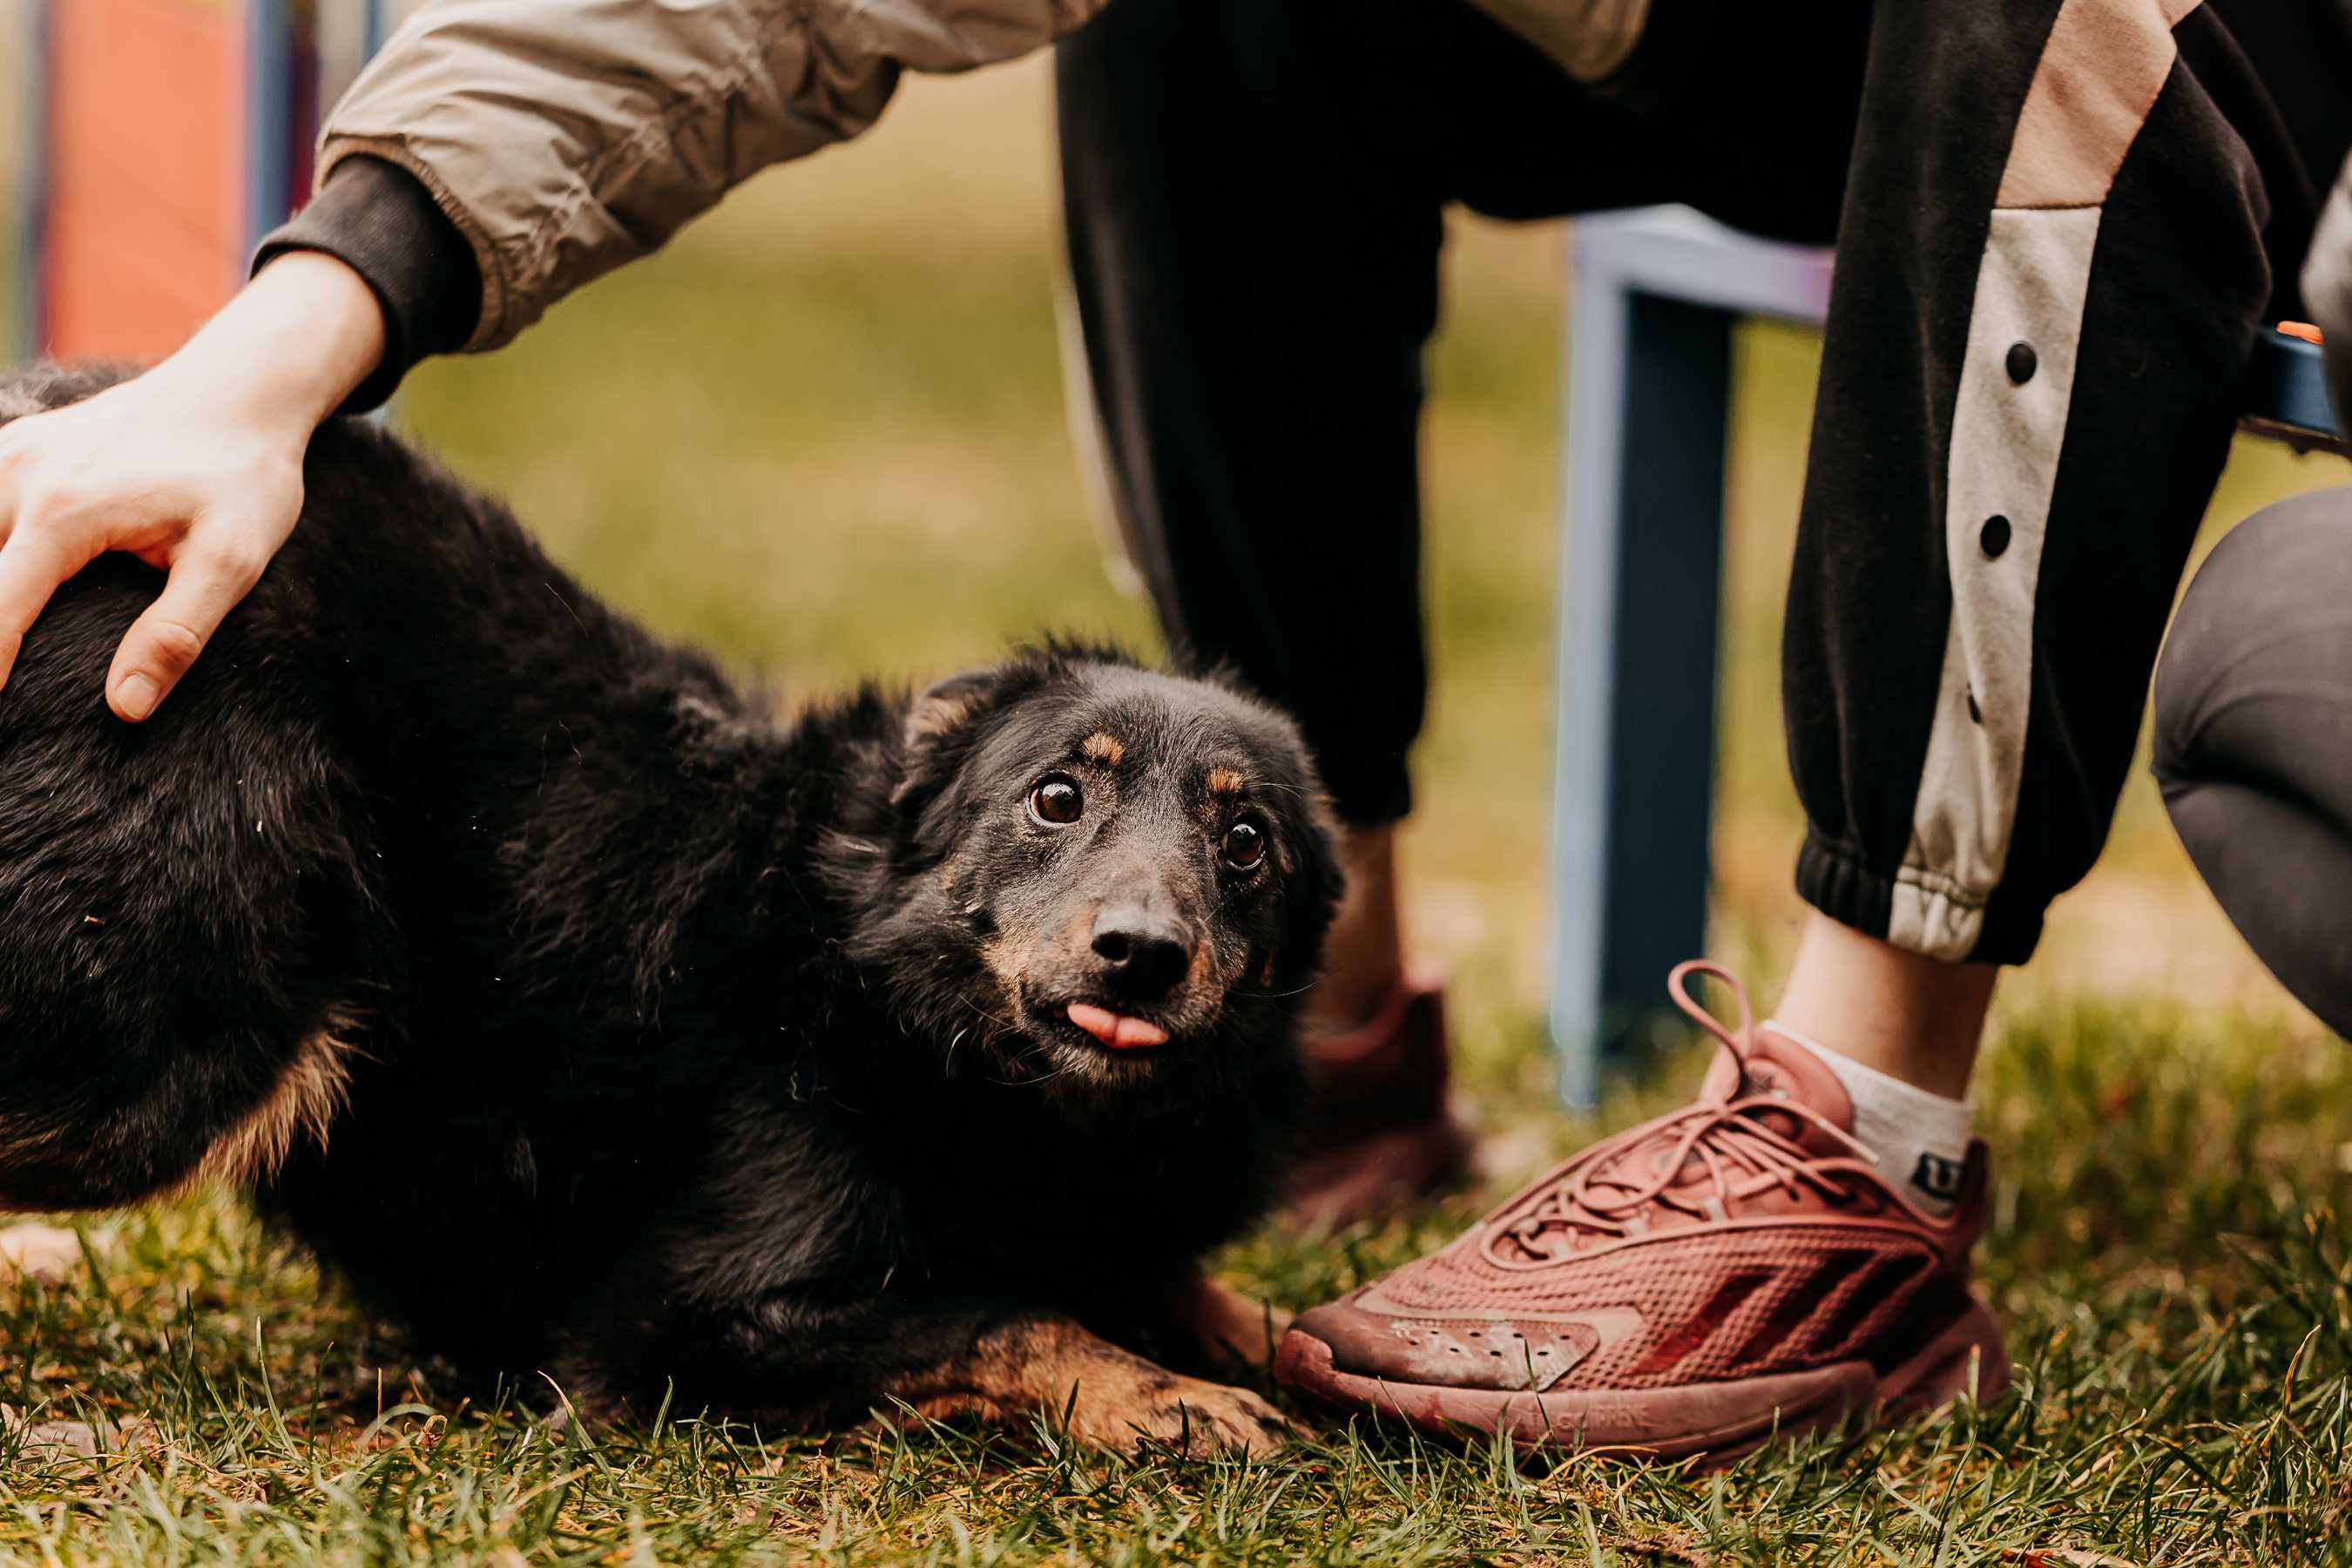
{"type": "Point", "coordinates": [1143, 954]}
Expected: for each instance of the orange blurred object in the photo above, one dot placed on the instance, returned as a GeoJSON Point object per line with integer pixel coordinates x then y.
{"type": "Point", "coordinates": [164, 138]}
{"type": "Point", "coordinates": [2303, 329]}
{"type": "Point", "coordinates": [145, 220]}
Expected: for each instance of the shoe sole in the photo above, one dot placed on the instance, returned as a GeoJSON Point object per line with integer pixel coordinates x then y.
{"type": "Point", "coordinates": [1717, 1422]}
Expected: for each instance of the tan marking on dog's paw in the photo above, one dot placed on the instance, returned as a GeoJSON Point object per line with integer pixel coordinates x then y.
{"type": "Point", "coordinates": [1196, 1418]}
{"type": "Point", "coordinates": [1112, 1398]}
{"type": "Point", "coordinates": [45, 1253]}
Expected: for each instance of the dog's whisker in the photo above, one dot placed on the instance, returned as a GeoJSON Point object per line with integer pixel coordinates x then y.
{"type": "Point", "coordinates": [1007, 1024]}
{"type": "Point", "coordinates": [1277, 995]}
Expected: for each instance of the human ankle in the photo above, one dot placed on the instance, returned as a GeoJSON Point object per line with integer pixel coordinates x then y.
{"type": "Point", "coordinates": [1919, 1020]}
{"type": "Point", "coordinates": [1919, 1137]}
{"type": "Point", "coordinates": [1364, 954]}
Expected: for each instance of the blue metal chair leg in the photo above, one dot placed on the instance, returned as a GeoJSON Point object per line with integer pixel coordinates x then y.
{"type": "Point", "coordinates": [31, 217]}
{"type": "Point", "coordinates": [270, 119]}
{"type": "Point", "coordinates": [1642, 589]}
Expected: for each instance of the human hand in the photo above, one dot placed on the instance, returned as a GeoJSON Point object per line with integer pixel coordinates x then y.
{"type": "Point", "coordinates": [194, 467]}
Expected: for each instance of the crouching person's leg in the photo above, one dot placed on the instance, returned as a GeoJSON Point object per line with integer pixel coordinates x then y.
{"type": "Point", "coordinates": [2253, 739]}
{"type": "Point", "coordinates": [1254, 297]}
{"type": "Point", "coordinates": [2050, 265]}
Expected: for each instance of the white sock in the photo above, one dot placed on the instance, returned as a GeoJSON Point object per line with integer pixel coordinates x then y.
{"type": "Point", "coordinates": [1920, 1139]}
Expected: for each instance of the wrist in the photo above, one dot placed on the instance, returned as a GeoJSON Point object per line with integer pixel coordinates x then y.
{"type": "Point", "coordinates": [289, 348]}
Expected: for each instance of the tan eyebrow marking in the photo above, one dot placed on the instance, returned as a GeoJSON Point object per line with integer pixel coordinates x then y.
{"type": "Point", "coordinates": [1224, 781]}
{"type": "Point", "coordinates": [1103, 747]}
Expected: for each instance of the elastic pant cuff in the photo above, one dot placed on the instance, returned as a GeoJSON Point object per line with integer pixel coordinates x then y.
{"type": "Point", "coordinates": [1833, 879]}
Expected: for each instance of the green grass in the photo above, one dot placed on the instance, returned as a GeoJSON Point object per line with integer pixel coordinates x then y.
{"type": "Point", "coordinates": [825, 435]}
{"type": "Point", "coordinates": [2167, 1250]}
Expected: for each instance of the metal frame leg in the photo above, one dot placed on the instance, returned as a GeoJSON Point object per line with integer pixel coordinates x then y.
{"type": "Point", "coordinates": [1658, 292]}
{"type": "Point", "coordinates": [269, 116]}
{"type": "Point", "coordinates": [1641, 595]}
{"type": "Point", "coordinates": [32, 196]}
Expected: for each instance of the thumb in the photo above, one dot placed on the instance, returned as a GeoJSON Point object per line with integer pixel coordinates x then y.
{"type": "Point", "coordinates": [161, 644]}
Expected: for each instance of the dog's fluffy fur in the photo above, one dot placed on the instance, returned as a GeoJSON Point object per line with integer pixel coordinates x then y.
{"type": "Point", "coordinates": [599, 1024]}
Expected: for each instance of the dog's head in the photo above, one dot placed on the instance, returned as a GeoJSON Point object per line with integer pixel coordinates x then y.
{"type": "Point", "coordinates": [1099, 875]}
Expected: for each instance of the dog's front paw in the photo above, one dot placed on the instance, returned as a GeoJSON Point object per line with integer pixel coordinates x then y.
{"type": "Point", "coordinates": [1051, 1369]}
{"type": "Point", "coordinates": [1189, 1414]}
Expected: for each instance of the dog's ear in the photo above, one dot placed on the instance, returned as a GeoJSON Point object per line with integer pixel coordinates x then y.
{"type": "Point", "coordinates": [949, 707]}
{"type": "Point", "coordinates": [940, 726]}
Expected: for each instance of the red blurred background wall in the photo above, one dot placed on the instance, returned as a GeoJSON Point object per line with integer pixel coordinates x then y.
{"type": "Point", "coordinates": [164, 137]}
{"type": "Point", "coordinates": [145, 177]}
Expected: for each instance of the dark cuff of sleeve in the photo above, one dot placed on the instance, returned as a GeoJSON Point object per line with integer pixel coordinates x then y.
{"type": "Point", "coordinates": [379, 220]}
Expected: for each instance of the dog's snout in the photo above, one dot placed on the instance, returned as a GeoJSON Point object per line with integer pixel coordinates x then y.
{"type": "Point", "coordinates": [1142, 953]}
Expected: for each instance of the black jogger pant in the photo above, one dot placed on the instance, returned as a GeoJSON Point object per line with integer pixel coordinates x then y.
{"type": "Point", "coordinates": [2060, 227]}
{"type": "Point", "coordinates": [2253, 739]}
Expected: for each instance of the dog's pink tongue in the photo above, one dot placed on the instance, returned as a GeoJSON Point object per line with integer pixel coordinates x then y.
{"type": "Point", "coordinates": [1120, 1034]}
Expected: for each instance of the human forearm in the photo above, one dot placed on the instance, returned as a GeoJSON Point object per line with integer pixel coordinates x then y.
{"type": "Point", "coordinates": [563, 138]}
{"type": "Point", "coordinates": [380, 222]}
{"type": "Point", "coordinates": [289, 348]}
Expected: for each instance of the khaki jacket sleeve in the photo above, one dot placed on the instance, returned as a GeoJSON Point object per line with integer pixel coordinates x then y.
{"type": "Point", "coordinates": [566, 137]}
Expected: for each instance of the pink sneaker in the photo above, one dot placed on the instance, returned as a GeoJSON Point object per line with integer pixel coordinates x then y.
{"type": "Point", "coordinates": [1696, 1285]}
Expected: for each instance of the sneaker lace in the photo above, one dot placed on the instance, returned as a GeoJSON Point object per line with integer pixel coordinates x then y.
{"type": "Point", "coordinates": [1617, 1192]}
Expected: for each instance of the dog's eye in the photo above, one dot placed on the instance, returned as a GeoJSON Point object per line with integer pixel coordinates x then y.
{"type": "Point", "coordinates": [1057, 800]}
{"type": "Point", "coordinates": [1245, 845]}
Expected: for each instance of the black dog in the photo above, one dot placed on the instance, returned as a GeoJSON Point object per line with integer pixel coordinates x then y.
{"type": "Point", "coordinates": [595, 1023]}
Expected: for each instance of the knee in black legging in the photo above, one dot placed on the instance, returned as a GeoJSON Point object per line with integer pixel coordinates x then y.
{"type": "Point", "coordinates": [2253, 739]}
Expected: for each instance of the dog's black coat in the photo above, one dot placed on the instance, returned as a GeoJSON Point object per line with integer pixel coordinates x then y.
{"type": "Point", "coordinates": [679, 1046]}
